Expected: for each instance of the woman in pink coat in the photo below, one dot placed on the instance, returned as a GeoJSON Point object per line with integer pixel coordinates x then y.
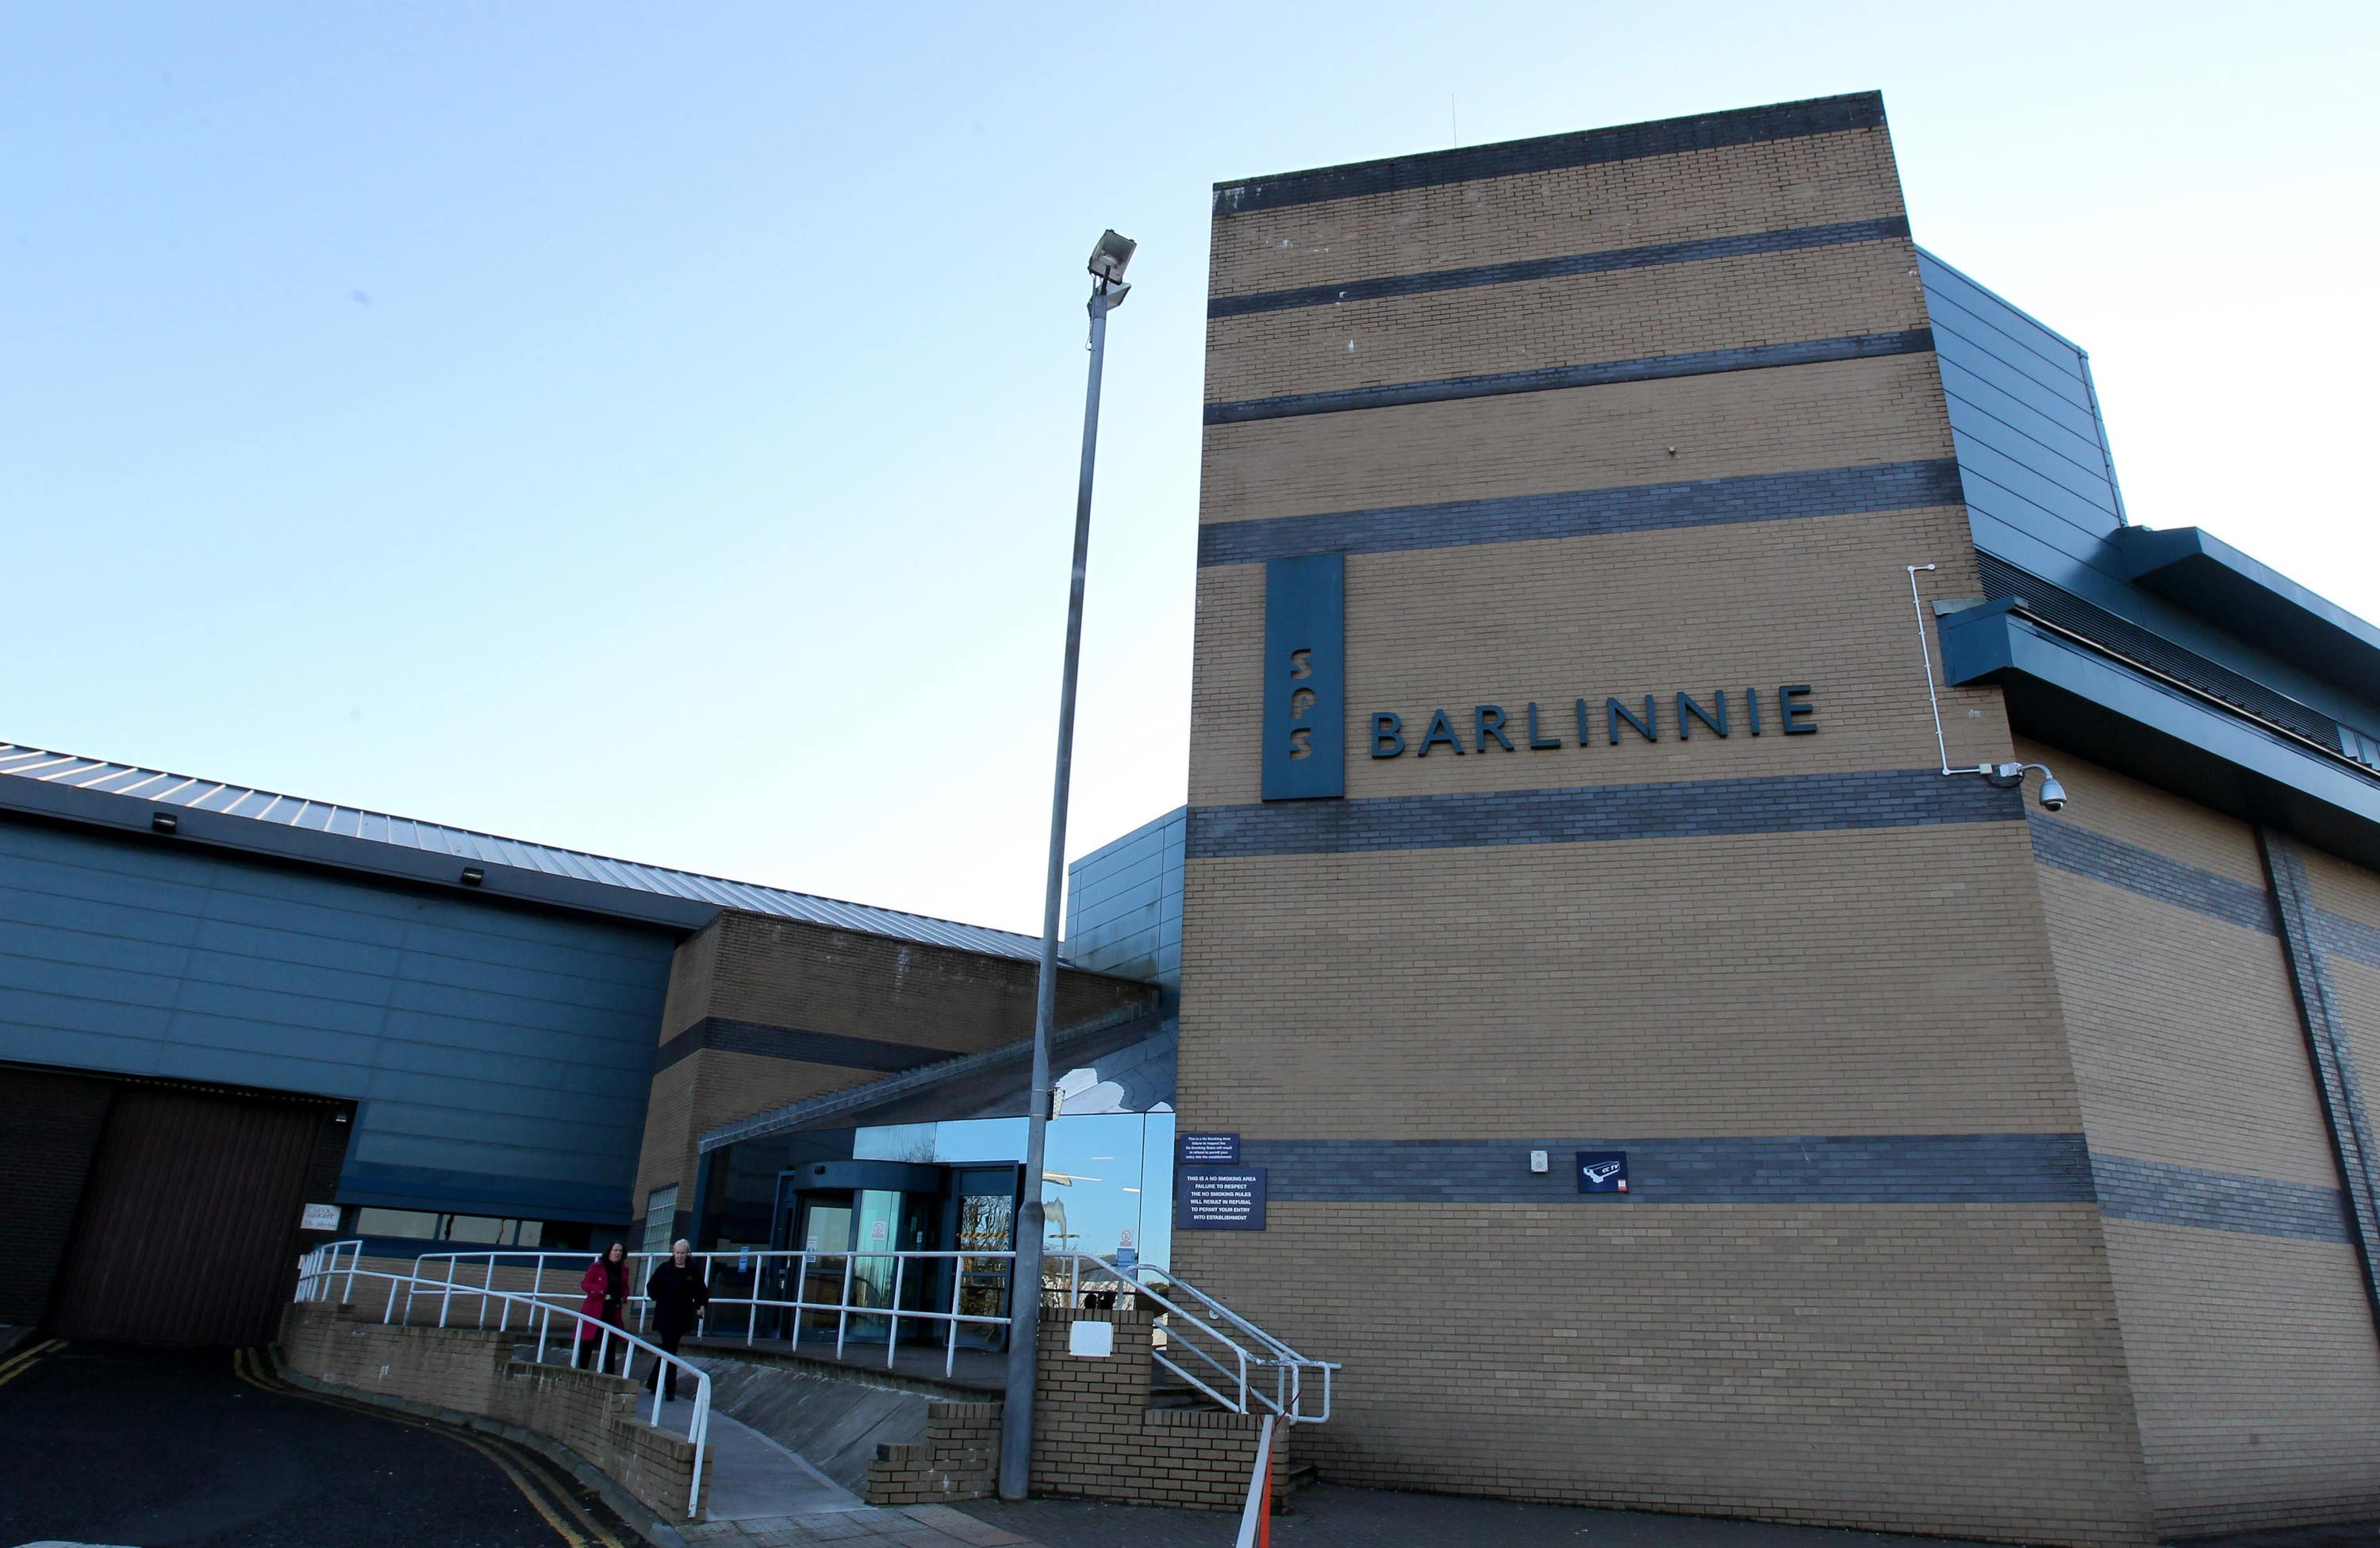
{"type": "Point", "coordinates": [605, 1285]}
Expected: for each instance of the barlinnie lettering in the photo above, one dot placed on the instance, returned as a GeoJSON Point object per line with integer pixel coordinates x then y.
{"type": "Point", "coordinates": [1710, 715]}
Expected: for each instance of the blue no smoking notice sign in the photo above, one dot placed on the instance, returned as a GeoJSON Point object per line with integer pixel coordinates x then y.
{"type": "Point", "coordinates": [1212, 1199]}
{"type": "Point", "coordinates": [1603, 1171]}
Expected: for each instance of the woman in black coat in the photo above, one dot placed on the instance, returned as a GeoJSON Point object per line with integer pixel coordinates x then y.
{"type": "Point", "coordinates": [678, 1296]}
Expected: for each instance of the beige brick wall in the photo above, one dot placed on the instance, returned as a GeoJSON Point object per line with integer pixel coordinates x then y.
{"type": "Point", "coordinates": [1942, 1368]}
{"type": "Point", "coordinates": [1815, 180]}
{"type": "Point", "coordinates": [468, 1372]}
{"type": "Point", "coordinates": [1551, 989]}
{"type": "Point", "coordinates": [811, 978]}
{"type": "Point", "coordinates": [1631, 433]}
{"type": "Point", "coordinates": [1888, 1366]}
{"type": "Point", "coordinates": [2257, 1377]}
{"type": "Point", "coordinates": [1673, 308]}
{"type": "Point", "coordinates": [1094, 1435]}
{"type": "Point", "coordinates": [1819, 600]}
{"type": "Point", "coordinates": [2254, 1365]}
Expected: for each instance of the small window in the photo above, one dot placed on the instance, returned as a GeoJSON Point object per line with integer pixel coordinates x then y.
{"type": "Point", "coordinates": [661, 1216]}
{"type": "Point", "coordinates": [419, 1225]}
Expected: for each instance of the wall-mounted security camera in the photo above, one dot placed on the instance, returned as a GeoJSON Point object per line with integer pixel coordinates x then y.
{"type": "Point", "coordinates": [2007, 776]}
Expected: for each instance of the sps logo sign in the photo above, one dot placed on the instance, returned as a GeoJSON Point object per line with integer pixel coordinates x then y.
{"type": "Point", "coordinates": [1305, 678]}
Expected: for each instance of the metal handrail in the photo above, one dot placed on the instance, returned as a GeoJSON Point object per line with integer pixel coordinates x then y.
{"type": "Point", "coordinates": [314, 1276]}
{"type": "Point", "coordinates": [1288, 1366]}
{"type": "Point", "coordinates": [1232, 1371]}
{"type": "Point", "coordinates": [756, 1263]}
{"type": "Point", "coordinates": [316, 1269]}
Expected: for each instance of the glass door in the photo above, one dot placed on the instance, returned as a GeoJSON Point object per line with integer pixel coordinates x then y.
{"type": "Point", "coordinates": [874, 1270]}
{"type": "Point", "coordinates": [985, 1219]}
{"type": "Point", "coordinates": [823, 1226]}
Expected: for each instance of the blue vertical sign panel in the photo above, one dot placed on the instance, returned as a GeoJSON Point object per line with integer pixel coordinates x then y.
{"type": "Point", "coordinates": [1305, 678]}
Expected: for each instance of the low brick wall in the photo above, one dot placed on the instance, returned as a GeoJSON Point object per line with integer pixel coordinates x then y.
{"type": "Point", "coordinates": [1094, 1435]}
{"type": "Point", "coordinates": [959, 1458]}
{"type": "Point", "coordinates": [470, 1372]}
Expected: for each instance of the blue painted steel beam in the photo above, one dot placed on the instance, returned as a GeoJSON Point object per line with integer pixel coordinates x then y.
{"type": "Point", "coordinates": [2191, 567]}
{"type": "Point", "coordinates": [2072, 697]}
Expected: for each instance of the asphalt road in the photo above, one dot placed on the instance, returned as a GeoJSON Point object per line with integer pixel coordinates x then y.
{"type": "Point", "coordinates": [161, 1448]}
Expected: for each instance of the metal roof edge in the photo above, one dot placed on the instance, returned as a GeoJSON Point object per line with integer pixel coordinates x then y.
{"type": "Point", "coordinates": [809, 1110]}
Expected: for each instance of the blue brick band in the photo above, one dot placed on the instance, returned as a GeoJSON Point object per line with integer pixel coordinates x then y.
{"type": "Point", "coordinates": [1884, 486]}
{"type": "Point", "coordinates": [1711, 131]}
{"type": "Point", "coordinates": [1599, 814]}
{"type": "Point", "coordinates": [2078, 851]}
{"type": "Point", "coordinates": [2339, 936]}
{"type": "Point", "coordinates": [1571, 265]}
{"type": "Point", "coordinates": [2163, 1194]}
{"type": "Point", "coordinates": [1598, 374]}
{"type": "Point", "coordinates": [2335, 1084]}
{"type": "Point", "coordinates": [1816, 1169]}
{"type": "Point", "coordinates": [731, 1036]}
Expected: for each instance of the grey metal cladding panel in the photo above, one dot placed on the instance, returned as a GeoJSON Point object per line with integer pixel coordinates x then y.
{"type": "Point", "coordinates": [1970, 336]}
{"type": "Point", "coordinates": [34, 1012]}
{"type": "Point", "coordinates": [289, 1011]}
{"type": "Point", "coordinates": [527, 1131]}
{"type": "Point", "coordinates": [513, 981]}
{"type": "Point", "coordinates": [523, 1013]}
{"type": "Point", "coordinates": [2029, 483]}
{"type": "Point", "coordinates": [1099, 875]}
{"type": "Point", "coordinates": [1106, 895]}
{"type": "Point", "coordinates": [2018, 541]}
{"type": "Point", "coordinates": [1996, 374]}
{"type": "Point", "coordinates": [32, 863]}
{"type": "Point", "coordinates": [2079, 470]}
{"type": "Point", "coordinates": [87, 975]}
{"type": "Point", "coordinates": [2008, 320]}
{"type": "Point", "coordinates": [233, 937]}
{"type": "Point", "coordinates": [260, 971]}
{"type": "Point", "coordinates": [514, 1062]}
{"type": "Point", "coordinates": [437, 1033]}
{"type": "Point", "coordinates": [240, 1066]}
{"type": "Point", "coordinates": [41, 942]}
{"type": "Point", "coordinates": [1146, 899]}
{"type": "Point", "coordinates": [272, 1013]}
{"type": "Point", "coordinates": [495, 1159]}
{"type": "Point", "coordinates": [83, 1048]}
{"type": "Point", "coordinates": [502, 1101]}
{"type": "Point", "coordinates": [2056, 432]}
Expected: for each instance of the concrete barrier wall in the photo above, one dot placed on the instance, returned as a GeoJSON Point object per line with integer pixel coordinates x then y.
{"type": "Point", "coordinates": [472, 1371]}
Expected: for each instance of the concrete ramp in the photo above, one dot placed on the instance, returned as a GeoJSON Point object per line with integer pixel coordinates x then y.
{"type": "Point", "coordinates": [834, 1423]}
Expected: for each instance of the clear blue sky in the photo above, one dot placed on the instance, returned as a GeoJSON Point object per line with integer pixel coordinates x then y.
{"type": "Point", "coordinates": [653, 430]}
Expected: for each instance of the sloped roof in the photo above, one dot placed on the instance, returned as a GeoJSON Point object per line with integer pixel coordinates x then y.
{"type": "Point", "coordinates": [239, 816]}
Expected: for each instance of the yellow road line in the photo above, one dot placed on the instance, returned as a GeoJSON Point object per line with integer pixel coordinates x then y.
{"type": "Point", "coordinates": [17, 1365]}
{"type": "Point", "coordinates": [246, 1360]}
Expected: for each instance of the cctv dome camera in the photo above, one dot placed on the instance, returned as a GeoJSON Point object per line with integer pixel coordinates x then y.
{"type": "Point", "coordinates": [2053, 795]}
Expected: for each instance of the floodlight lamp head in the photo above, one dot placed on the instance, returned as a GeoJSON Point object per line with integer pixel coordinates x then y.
{"type": "Point", "coordinates": [1110, 257]}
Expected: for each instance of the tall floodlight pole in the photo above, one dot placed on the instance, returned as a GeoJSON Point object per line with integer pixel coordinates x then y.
{"type": "Point", "coordinates": [1108, 289]}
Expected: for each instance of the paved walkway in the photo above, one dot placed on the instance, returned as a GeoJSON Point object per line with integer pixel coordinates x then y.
{"type": "Point", "coordinates": [748, 1477]}
{"type": "Point", "coordinates": [921, 1526]}
{"type": "Point", "coordinates": [1329, 1515]}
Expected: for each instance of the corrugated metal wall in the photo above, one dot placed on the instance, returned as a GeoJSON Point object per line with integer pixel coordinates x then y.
{"type": "Point", "coordinates": [501, 1058]}
{"type": "Point", "coordinates": [188, 1224]}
